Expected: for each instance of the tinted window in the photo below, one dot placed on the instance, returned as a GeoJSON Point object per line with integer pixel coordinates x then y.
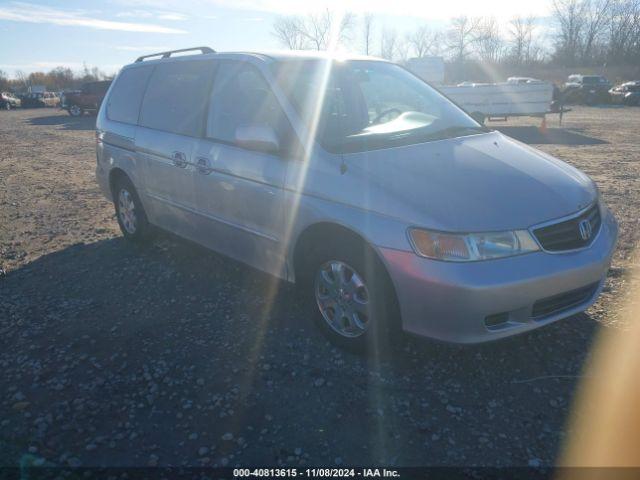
{"type": "Point", "coordinates": [242, 97]}
{"type": "Point", "coordinates": [176, 97]}
{"type": "Point", "coordinates": [126, 96]}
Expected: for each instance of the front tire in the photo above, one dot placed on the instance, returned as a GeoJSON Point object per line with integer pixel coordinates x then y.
{"type": "Point", "coordinates": [352, 298]}
{"type": "Point", "coordinates": [130, 213]}
{"type": "Point", "coordinates": [75, 111]}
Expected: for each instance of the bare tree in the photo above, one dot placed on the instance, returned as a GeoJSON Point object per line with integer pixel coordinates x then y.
{"type": "Point", "coordinates": [388, 44]}
{"type": "Point", "coordinates": [596, 14]}
{"type": "Point", "coordinates": [288, 31]}
{"type": "Point", "coordinates": [345, 30]}
{"type": "Point", "coordinates": [462, 34]}
{"type": "Point", "coordinates": [22, 79]}
{"type": "Point", "coordinates": [423, 41]}
{"type": "Point", "coordinates": [317, 31]}
{"type": "Point", "coordinates": [624, 31]}
{"type": "Point", "coordinates": [367, 33]}
{"type": "Point", "coordinates": [403, 50]}
{"type": "Point", "coordinates": [570, 18]}
{"type": "Point", "coordinates": [521, 31]}
{"type": "Point", "coordinates": [489, 41]}
{"type": "Point", "coordinates": [4, 80]}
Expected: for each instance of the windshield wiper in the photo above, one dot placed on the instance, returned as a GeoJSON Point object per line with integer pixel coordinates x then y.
{"type": "Point", "coordinates": [457, 131]}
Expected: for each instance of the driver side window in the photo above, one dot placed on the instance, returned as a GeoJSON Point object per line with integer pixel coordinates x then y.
{"type": "Point", "coordinates": [242, 97]}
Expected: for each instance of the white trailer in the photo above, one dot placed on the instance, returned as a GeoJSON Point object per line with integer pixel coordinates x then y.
{"type": "Point", "coordinates": [503, 100]}
{"type": "Point", "coordinates": [518, 96]}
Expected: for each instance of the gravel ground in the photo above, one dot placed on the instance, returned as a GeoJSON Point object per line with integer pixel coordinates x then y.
{"type": "Point", "coordinates": [172, 355]}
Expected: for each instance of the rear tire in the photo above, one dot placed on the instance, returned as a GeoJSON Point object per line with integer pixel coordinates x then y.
{"type": "Point", "coordinates": [7, 106]}
{"type": "Point", "coordinates": [351, 297]}
{"type": "Point", "coordinates": [130, 213]}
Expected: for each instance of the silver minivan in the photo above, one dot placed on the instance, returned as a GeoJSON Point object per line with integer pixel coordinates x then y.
{"type": "Point", "coordinates": [390, 206]}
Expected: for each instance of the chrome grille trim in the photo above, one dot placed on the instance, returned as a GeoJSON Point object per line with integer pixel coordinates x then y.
{"type": "Point", "coordinates": [563, 235]}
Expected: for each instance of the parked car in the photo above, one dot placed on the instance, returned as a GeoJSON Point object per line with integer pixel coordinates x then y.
{"type": "Point", "coordinates": [88, 99]}
{"type": "Point", "coordinates": [522, 80]}
{"type": "Point", "coordinates": [587, 89]}
{"type": "Point", "coordinates": [626, 93]}
{"type": "Point", "coordinates": [9, 101]}
{"type": "Point", "coordinates": [388, 205]}
{"type": "Point", "coordinates": [51, 99]}
{"type": "Point", "coordinates": [40, 99]}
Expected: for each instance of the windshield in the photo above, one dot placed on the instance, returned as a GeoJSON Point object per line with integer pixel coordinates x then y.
{"type": "Point", "coordinates": [364, 105]}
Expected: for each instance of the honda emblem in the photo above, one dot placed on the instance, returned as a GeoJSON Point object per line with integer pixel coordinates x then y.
{"type": "Point", "coordinates": [585, 229]}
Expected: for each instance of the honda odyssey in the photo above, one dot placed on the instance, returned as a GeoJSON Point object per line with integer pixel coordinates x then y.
{"type": "Point", "coordinates": [389, 205]}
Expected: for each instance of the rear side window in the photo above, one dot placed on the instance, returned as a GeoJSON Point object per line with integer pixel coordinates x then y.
{"type": "Point", "coordinates": [176, 98]}
{"type": "Point", "coordinates": [126, 96]}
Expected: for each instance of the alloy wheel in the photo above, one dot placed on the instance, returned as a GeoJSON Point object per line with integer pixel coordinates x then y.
{"type": "Point", "coordinates": [127, 211]}
{"type": "Point", "coordinates": [343, 298]}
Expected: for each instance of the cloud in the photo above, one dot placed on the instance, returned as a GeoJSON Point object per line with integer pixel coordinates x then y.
{"type": "Point", "coordinates": [172, 16]}
{"type": "Point", "coordinates": [503, 9]}
{"type": "Point", "coordinates": [160, 15]}
{"type": "Point", "coordinates": [27, 12]}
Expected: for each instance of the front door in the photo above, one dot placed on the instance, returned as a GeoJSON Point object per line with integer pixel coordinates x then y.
{"type": "Point", "coordinates": [240, 191]}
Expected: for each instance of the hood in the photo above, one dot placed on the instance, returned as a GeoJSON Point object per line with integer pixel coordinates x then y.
{"type": "Point", "coordinates": [483, 182]}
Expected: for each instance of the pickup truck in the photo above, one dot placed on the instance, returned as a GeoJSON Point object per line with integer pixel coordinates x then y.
{"type": "Point", "coordinates": [88, 99]}
{"type": "Point", "coordinates": [587, 89]}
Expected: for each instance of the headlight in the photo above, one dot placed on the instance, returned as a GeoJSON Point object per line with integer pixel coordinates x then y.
{"type": "Point", "coordinates": [471, 247]}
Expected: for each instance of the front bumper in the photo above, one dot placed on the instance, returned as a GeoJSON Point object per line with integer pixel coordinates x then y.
{"type": "Point", "coordinates": [451, 301]}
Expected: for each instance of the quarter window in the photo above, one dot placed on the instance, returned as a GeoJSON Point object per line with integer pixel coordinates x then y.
{"type": "Point", "coordinates": [126, 96]}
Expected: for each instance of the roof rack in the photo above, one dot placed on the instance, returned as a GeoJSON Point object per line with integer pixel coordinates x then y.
{"type": "Point", "coordinates": [203, 50]}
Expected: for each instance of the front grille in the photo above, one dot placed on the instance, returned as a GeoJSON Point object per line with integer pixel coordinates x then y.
{"type": "Point", "coordinates": [563, 301]}
{"type": "Point", "coordinates": [566, 235]}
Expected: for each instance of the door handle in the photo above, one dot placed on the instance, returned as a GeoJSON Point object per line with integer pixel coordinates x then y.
{"type": "Point", "coordinates": [179, 159]}
{"type": "Point", "coordinates": [202, 165]}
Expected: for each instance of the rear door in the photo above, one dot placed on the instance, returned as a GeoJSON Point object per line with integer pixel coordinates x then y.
{"type": "Point", "coordinates": [171, 120]}
{"type": "Point", "coordinates": [240, 191]}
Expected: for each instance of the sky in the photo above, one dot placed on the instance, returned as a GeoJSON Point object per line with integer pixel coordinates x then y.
{"type": "Point", "coordinates": [42, 34]}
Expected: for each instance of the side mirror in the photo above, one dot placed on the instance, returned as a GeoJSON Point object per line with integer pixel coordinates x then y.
{"type": "Point", "coordinates": [261, 138]}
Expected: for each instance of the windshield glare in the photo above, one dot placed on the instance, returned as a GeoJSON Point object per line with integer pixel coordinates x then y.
{"type": "Point", "coordinates": [363, 105]}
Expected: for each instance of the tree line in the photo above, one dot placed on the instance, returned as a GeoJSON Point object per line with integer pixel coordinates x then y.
{"type": "Point", "coordinates": [57, 79]}
{"type": "Point", "coordinates": [577, 33]}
